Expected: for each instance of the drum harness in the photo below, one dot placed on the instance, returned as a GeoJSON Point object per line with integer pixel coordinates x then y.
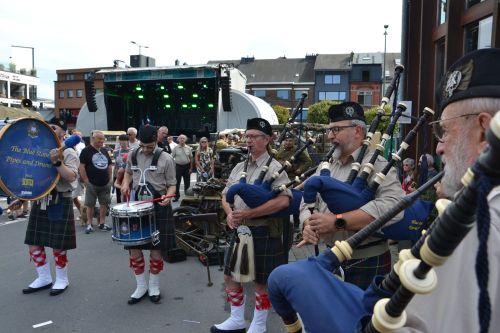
{"type": "Point", "coordinates": [145, 191]}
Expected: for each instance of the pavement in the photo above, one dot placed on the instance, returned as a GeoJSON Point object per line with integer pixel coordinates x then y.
{"type": "Point", "coordinates": [100, 284]}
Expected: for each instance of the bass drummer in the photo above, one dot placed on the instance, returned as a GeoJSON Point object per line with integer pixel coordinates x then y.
{"type": "Point", "coordinates": [161, 183]}
{"type": "Point", "coordinates": [51, 222]}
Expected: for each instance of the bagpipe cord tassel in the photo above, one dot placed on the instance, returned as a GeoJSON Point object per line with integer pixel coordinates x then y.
{"type": "Point", "coordinates": [235, 297]}
{"type": "Point", "coordinates": [137, 265]}
{"type": "Point", "coordinates": [38, 256]}
{"type": "Point", "coordinates": [483, 232]}
{"type": "Point", "coordinates": [60, 258]}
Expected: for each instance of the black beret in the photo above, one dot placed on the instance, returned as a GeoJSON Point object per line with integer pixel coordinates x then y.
{"type": "Point", "coordinates": [58, 122]}
{"type": "Point", "coordinates": [346, 111]}
{"type": "Point", "coordinates": [288, 135]}
{"type": "Point", "coordinates": [260, 124]}
{"type": "Point", "coordinates": [147, 134]}
{"type": "Point", "coordinates": [476, 74]}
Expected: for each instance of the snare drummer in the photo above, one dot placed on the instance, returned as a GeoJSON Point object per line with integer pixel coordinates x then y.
{"type": "Point", "coordinates": [162, 184]}
{"type": "Point", "coordinates": [51, 222]}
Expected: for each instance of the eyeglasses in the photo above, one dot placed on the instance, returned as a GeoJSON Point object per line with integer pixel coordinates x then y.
{"type": "Point", "coordinates": [439, 130]}
{"type": "Point", "coordinates": [253, 137]}
{"type": "Point", "coordinates": [336, 129]}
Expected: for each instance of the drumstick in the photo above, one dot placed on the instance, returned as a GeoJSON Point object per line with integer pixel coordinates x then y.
{"type": "Point", "coordinates": [153, 200]}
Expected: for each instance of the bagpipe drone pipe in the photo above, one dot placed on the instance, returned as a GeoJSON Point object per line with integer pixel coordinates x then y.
{"type": "Point", "coordinates": [261, 191]}
{"type": "Point", "coordinates": [413, 274]}
{"type": "Point", "coordinates": [327, 304]}
{"type": "Point", "coordinates": [341, 197]}
{"type": "Point", "coordinates": [391, 88]}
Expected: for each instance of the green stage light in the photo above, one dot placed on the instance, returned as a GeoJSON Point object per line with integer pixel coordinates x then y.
{"type": "Point", "coordinates": [195, 95]}
{"type": "Point", "coordinates": [141, 96]}
{"type": "Point", "coordinates": [168, 106]}
{"type": "Point", "coordinates": [184, 105]}
{"type": "Point", "coordinates": [180, 87]}
{"type": "Point", "coordinates": [210, 105]}
{"type": "Point", "coordinates": [166, 96]}
{"type": "Point", "coordinates": [138, 88]}
{"type": "Point", "coordinates": [205, 86]}
{"type": "Point", "coordinates": [193, 105]}
{"type": "Point", "coordinates": [162, 87]}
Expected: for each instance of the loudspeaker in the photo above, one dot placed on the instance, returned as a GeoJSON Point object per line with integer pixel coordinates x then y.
{"type": "Point", "coordinates": [90, 94]}
{"type": "Point", "coordinates": [26, 103]}
{"type": "Point", "coordinates": [225, 85]}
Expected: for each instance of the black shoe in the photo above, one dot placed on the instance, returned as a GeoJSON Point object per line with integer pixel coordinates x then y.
{"type": "Point", "coordinates": [214, 329]}
{"type": "Point", "coordinates": [155, 298]}
{"type": "Point", "coordinates": [30, 290]}
{"type": "Point", "coordinates": [55, 292]}
{"type": "Point", "coordinates": [133, 300]}
{"type": "Point", "coordinates": [104, 227]}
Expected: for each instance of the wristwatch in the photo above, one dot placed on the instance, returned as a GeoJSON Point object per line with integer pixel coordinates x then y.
{"type": "Point", "coordinates": [57, 164]}
{"type": "Point", "coordinates": [339, 222]}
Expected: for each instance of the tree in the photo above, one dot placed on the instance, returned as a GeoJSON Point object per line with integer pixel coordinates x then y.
{"type": "Point", "coordinates": [318, 112]}
{"type": "Point", "coordinates": [384, 122]}
{"type": "Point", "coordinates": [282, 113]}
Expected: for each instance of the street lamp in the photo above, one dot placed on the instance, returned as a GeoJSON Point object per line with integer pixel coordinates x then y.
{"type": "Point", "coordinates": [32, 53]}
{"type": "Point", "coordinates": [140, 46]}
{"type": "Point", "coordinates": [385, 47]}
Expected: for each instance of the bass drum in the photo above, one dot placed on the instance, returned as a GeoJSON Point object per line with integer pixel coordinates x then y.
{"type": "Point", "coordinates": [26, 170]}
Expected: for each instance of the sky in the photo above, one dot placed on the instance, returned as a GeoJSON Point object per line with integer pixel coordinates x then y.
{"type": "Point", "coordinates": [91, 33]}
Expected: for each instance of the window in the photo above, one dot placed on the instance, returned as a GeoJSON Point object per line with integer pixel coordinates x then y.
{"type": "Point", "coordinates": [471, 3]}
{"type": "Point", "coordinates": [365, 76]}
{"type": "Point", "coordinates": [70, 77]}
{"type": "Point", "coordinates": [282, 94]}
{"type": "Point", "coordinates": [332, 79]}
{"type": "Point", "coordinates": [365, 98]}
{"type": "Point", "coordinates": [86, 76]}
{"type": "Point", "coordinates": [61, 94]}
{"type": "Point", "coordinates": [478, 35]}
{"type": "Point", "coordinates": [440, 51]}
{"type": "Point", "coordinates": [79, 93]}
{"type": "Point", "coordinates": [298, 94]}
{"type": "Point", "coordinates": [442, 11]}
{"type": "Point", "coordinates": [259, 93]}
{"type": "Point", "coordinates": [332, 96]}
{"type": "Point", "coordinates": [71, 93]}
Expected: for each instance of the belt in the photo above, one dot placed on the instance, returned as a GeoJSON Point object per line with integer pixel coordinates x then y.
{"type": "Point", "coordinates": [369, 251]}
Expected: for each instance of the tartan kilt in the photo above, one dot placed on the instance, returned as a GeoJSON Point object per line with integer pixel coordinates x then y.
{"type": "Point", "coordinates": [362, 271]}
{"type": "Point", "coordinates": [165, 224]}
{"type": "Point", "coordinates": [268, 252]}
{"type": "Point", "coordinates": [53, 227]}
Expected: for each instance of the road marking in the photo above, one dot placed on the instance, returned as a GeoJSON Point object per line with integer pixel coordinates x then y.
{"type": "Point", "coordinates": [43, 324]}
{"type": "Point", "coordinates": [12, 222]}
{"type": "Point", "coordinates": [192, 321]}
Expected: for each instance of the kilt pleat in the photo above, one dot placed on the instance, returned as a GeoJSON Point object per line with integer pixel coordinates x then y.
{"type": "Point", "coordinates": [53, 227]}
{"type": "Point", "coordinates": [268, 253]}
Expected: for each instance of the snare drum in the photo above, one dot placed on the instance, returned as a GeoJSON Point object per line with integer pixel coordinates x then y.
{"type": "Point", "coordinates": [134, 223]}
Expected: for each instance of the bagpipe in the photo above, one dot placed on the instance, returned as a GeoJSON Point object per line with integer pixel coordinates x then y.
{"type": "Point", "coordinates": [341, 197]}
{"type": "Point", "coordinates": [261, 191]}
{"type": "Point", "coordinates": [380, 308]}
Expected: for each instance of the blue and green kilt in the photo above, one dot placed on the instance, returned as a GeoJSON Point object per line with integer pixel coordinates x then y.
{"type": "Point", "coordinates": [166, 227]}
{"type": "Point", "coordinates": [361, 272]}
{"type": "Point", "coordinates": [268, 252]}
{"type": "Point", "coordinates": [53, 227]}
